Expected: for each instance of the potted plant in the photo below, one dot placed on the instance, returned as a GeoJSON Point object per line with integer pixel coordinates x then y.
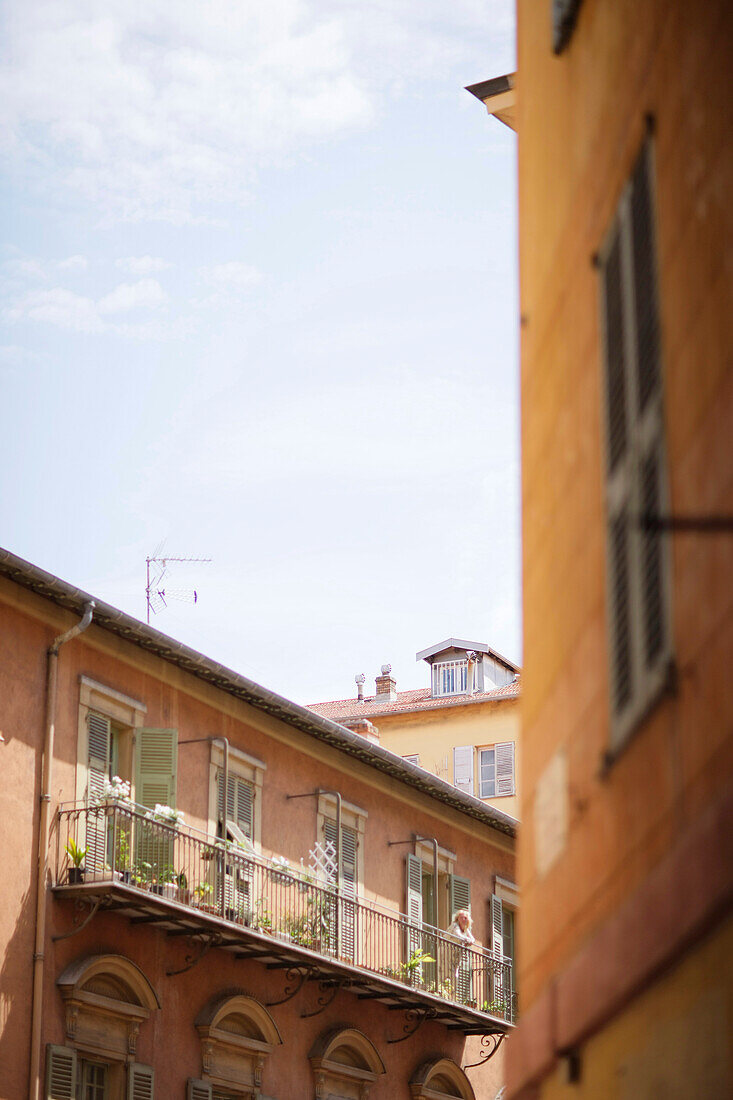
{"type": "Point", "coordinates": [184, 894]}
{"type": "Point", "coordinates": [142, 875]}
{"type": "Point", "coordinates": [122, 857]}
{"type": "Point", "coordinates": [77, 856]}
{"type": "Point", "coordinates": [201, 895]}
{"type": "Point", "coordinates": [165, 883]}
{"type": "Point", "coordinates": [115, 792]}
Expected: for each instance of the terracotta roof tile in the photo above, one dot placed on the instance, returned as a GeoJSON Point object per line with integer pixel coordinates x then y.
{"type": "Point", "coordinates": [407, 701]}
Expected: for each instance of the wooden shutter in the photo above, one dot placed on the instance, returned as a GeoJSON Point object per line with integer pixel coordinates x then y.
{"type": "Point", "coordinates": [60, 1073]}
{"type": "Point", "coordinates": [239, 802]}
{"type": "Point", "coordinates": [157, 752]}
{"type": "Point", "coordinates": [618, 459]}
{"type": "Point", "coordinates": [414, 906]}
{"type": "Point", "coordinates": [463, 768]}
{"type": "Point", "coordinates": [646, 305]}
{"type": "Point", "coordinates": [99, 738]}
{"type": "Point", "coordinates": [497, 926]}
{"type": "Point", "coordinates": [504, 759]}
{"type": "Point", "coordinates": [157, 758]}
{"type": "Point", "coordinates": [329, 836]}
{"type": "Point", "coordinates": [349, 843]}
{"type": "Point", "coordinates": [459, 893]}
{"type": "Point", "coordinates": [198, 1090]}
{"type": "Point", "coordinates": [140, 1081]}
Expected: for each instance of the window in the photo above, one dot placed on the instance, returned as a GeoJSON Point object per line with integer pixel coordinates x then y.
{"type": "Point", "coordinates": [342, 919]}
{"type": "Point", "coordinates": [450, 678]}
{"type": "Point", "coordinates": [496, 770]}
{"type": "Point", "coordinates": [107, 999]}
{"type": "Point", "coordinates": [93, 1080]}
{"type": "Point", "coordinates": [637, 557]}
{"type": "Point", "coordinates": [244, 797]}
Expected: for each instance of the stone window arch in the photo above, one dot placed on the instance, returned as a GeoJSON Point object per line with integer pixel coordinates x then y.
{"type": "Point", "coordinates": [440, 1079]}
{"type": "Point", "coordinates": [106, 998]}
{"type": "Point", "coordinates": [345, 1064]}
{"type": "Point", "coordinates": [237, 1036]}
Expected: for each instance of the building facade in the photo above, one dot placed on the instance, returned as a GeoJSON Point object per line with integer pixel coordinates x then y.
{"type": "Point", "coordinates": [626, 851]}
{"type": "Point", "coordinates": [212, 893]}
{"type": "Point", "coordinates": [464, 727]}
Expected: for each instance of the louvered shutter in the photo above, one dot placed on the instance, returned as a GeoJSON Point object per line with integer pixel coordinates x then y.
{"type": "Point", "coordinates": [463, 768]}
{"type": "Point", "coordinates": [239, 802]}
{"type": "Point", "coordinates": [198, 1090]}
{"type": "Point", "coordinates": [619, 461]}
{"type": "Point", "coordinates": [413, 869]}
{"type": "Point", "coordinates": [349, 843]}
{"type": "Point", "coordinates": [329, 836]}
{"type": "Point", "coordinates": [637, 554]}
{"type": "Point", "coordinates": [497, 950]}
{"type": "Point", "coordinates": [459, 893]}
{"type": "Point", "coordinates": [99, 736]}
{"type": "Point", "coordinates": [60, 1073]}
{"type": "Point", "coordinates": [157, 756]}
{"type": "Point", "coordinates": [497, 926]}
{"type": "Point", "coordinates": [140, 1081]}
{"type": "Point", "coordinates": [646, 305]}
{"type": "Point", "coordinates": [505, 768]}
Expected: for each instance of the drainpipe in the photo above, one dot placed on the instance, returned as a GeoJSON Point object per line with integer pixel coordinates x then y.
{"type": "Point", "coordinates": [43, 836]}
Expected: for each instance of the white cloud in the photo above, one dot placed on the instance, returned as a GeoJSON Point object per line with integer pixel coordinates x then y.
{"type": "Point", "coordinates": [142, 265]}
{"type": "Point", "coordinates": [163, 111]}
{"type": "Point", "coordinates": [58, 307]}
{"type": "Point", "coordinates": [73, 263]}
{"type": "Point", "coordinates": [232, 275]}
{"type": "Point", "coordinates": [77, 313]}
{"type": "Point", "coordinates": [145, 294]}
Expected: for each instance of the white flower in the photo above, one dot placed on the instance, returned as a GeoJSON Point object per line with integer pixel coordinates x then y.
{"type": "Point", "coordinates": [115, 789]}
{"type": "Point", "coordinates": [167, 814]}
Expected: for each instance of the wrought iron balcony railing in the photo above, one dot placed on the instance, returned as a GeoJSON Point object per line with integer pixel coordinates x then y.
{"type": "Point", "coordinates": [120, 844]}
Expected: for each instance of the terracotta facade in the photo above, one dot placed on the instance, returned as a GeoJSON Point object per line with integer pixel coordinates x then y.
{"type": "Point", "coordinates": [160, 933]}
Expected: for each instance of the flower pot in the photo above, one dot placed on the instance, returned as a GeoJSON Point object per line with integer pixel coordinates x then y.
{"type": "Point", "coordinates": [75, 876]}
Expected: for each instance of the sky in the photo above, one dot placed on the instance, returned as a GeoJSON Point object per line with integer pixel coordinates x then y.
{"type": "Point", "coordinates": [258, 304]}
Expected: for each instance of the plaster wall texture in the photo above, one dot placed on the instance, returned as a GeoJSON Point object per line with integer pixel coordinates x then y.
{"type": "Point", "coordinates": [581, 124]}
{"type": "Point", "coordinates": [434, 735]}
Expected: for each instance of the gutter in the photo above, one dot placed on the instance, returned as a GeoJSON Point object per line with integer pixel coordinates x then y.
{"type": "Point", "coordinates": [233, 683]}
{"type": "Point", "coordinates": [52, 660]}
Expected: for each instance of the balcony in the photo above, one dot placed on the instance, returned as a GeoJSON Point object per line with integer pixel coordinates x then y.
{"type": "Point", "coordinates": [185, 883]}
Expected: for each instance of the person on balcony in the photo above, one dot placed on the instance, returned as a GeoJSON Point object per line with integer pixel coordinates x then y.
{"type": "Point", "coordinates": [460, 930]}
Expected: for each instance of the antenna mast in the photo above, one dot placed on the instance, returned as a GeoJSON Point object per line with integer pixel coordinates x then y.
{"type": "Point", "coordinates": [155, 595]}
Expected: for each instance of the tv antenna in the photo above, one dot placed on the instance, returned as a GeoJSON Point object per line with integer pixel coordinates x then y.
{"type": "Point", "coordinates": [156, 594]}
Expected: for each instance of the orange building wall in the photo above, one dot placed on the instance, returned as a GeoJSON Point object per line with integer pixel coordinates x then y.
{"type": "Point", "coordinates": [295, 764]}
{"type": "Point", "coordinates": [581, 122]}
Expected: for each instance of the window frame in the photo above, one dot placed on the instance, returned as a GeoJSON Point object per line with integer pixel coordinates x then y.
{"type": "Point", "coordinates": [125, 715]}
{"type": "Point", "coordinates": [645, 436]}
{"type": "Point", "coordinates": [242, 766]}
{"type": "Point", "coordinates": [352, 817]}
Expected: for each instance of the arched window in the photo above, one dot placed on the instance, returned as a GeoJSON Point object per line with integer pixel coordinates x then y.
{"type": "Point", "coordinates": [107, 998]}
{"type": "Point", "coordinates": [237, 1035]}
{"type": "Point", "coordinates": [440, 1079]}
{"type": "Point", "coordinates": [345, 1063]}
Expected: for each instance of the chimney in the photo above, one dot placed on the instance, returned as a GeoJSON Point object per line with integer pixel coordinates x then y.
{"type": "Point", "coordinates": [386, 685]}
{"type": "Point", "coordinates": [360, 678]}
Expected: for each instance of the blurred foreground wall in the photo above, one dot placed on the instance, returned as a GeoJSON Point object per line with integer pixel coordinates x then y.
{"type": "Point", "coordinates": [625, 862]}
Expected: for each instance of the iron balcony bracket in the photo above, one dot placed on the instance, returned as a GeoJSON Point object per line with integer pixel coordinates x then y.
{"type": "Point", "coordinates": [414, 1019]}
{"type": "Point", "coordinates": [207, 940]}
{"type": "Point", "coordinates": [490, 1044]}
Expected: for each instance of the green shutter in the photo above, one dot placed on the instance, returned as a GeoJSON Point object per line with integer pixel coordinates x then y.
{"type": "Point", "coordinates": [99, 739]}
{"type": "Point", "coordinates": [459, 894]}
{"type": "Point", "coordinates": [157, 758]}
{"type": "Point", "coordinates": [140, 1082]}
{"type": "Point", "coordinates": [198, 1090]}
{"type": "Point", "coordinates": [413, 869]}
{"type": "Point", "coordinates": [239, 802]}
{"type": "Point", "coordinates": [60, 1073]}
{"type": "Point", "coordinates": [156, 753]}
{"type": "Point", "coordinates": [497, 926]}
